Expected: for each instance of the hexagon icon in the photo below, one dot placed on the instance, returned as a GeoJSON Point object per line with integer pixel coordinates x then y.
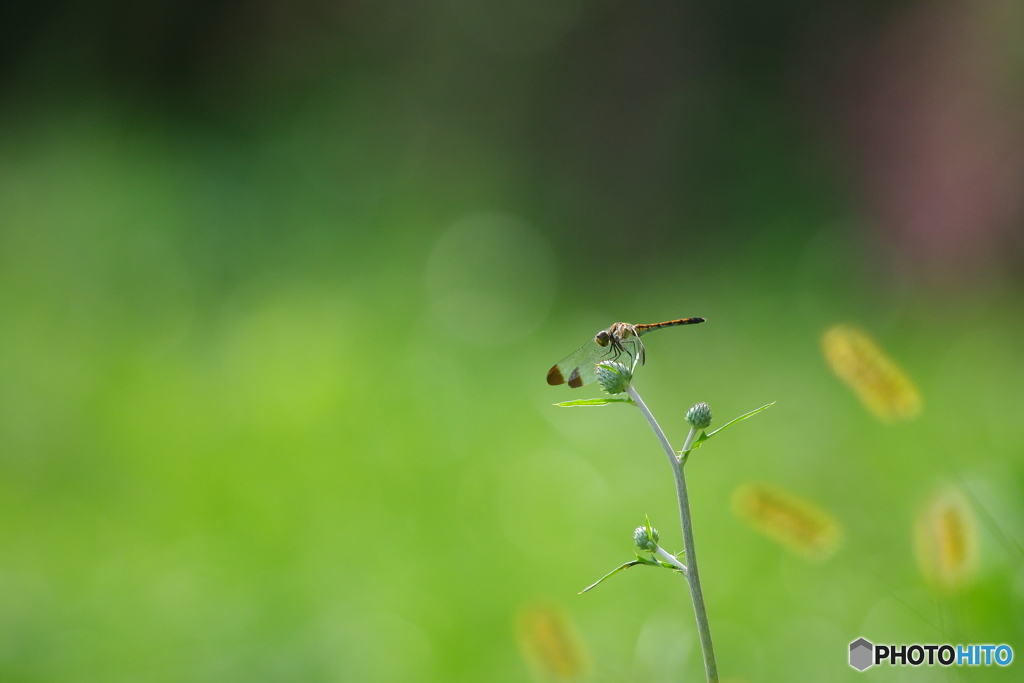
{"type": "Point", "coordinates": [860, 654]}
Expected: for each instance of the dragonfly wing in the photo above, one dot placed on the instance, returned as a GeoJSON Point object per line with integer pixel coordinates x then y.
{"type": "Point", "coordinates": [578, 368]}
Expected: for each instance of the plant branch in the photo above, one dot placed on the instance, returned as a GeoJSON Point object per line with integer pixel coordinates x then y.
{"type": "Point", "coordinates": [671, 559]}
{"type": "Point", "coordinates": [692, 577]}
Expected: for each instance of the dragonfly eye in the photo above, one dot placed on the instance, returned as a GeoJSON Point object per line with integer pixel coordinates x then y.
{"type": "Point", "coordinates": [602, 337]}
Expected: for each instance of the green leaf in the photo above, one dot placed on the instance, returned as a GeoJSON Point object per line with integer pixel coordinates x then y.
{"type": "Point", "coordinates": [651, 562]}
{"type": "Point", "coordinates": [593, 402]}
{"type": "Point", "coordinates": [742, 417]}
{"type": "Point", "coordinates": [622, 567]}
{"type": "Point", "coordinates": [704, 436]}
{"type": "Point", "coordinates": [627, 565]}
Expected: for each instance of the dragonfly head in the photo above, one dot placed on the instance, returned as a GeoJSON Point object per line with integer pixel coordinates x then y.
{"type": "Point", "coordinates": [603, 338]}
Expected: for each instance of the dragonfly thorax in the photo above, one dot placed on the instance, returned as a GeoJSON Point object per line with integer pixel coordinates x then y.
{"type": "Point", "coordinates": [622, 331]}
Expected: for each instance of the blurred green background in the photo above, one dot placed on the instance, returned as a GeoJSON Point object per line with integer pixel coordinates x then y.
{"type": "Point", "coordinates": [279, 283]}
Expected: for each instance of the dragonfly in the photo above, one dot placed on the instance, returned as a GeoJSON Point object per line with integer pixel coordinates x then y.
{"type": "Point", "coordinates": [621, 338]}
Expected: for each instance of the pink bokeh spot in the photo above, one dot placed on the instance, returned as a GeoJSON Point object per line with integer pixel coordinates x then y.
{"type": "Point", "coordinates": [940, 155]}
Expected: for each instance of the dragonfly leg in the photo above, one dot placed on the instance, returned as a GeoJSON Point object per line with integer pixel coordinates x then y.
{"type": "Point", "coordinates": [634, 356]}
{"type": "Point", "coordinates": [617, 348]}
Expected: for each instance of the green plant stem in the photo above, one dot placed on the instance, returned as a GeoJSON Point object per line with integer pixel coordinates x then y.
{"type": "Point", "coordinates": [692, 577]}
{"type": "Point", "coordinates": [687, 445]}
{"type": "Point", "coordinates": [671, 559]}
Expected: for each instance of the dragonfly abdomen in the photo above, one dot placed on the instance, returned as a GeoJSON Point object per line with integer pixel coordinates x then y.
{"type": "Point", "coordinates": [647, 327]}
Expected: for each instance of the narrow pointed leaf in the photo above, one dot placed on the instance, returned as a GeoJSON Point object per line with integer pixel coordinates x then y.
{"type": "Point", "coordinates": [593, 402]}
{"type": "Point", "coordinates": [704, 436]}
{"type": "Point", "coordinates": [618, 569]}
{"type": "Point", "coordinates": [742, 417]}
{"type": "Point", "coordinates": [644, 560]}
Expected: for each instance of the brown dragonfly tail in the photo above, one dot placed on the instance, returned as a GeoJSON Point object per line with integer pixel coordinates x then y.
{"type": "Point", "coordinates": [641, 329]}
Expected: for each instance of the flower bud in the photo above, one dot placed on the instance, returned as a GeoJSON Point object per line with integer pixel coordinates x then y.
{"type": "Point", "coordinates": [614, 377]}
{"type": "Point", "coordinates": [643, 541]}
{"type": "Point", "coordinates": [699, 416]}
